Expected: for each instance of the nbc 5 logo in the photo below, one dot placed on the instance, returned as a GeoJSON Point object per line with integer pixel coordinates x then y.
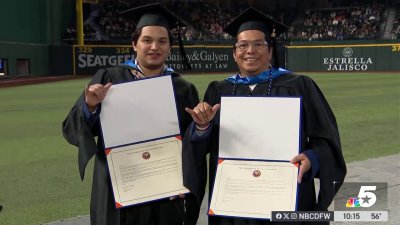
{"type": "Point", "coordinates": [366, 198]}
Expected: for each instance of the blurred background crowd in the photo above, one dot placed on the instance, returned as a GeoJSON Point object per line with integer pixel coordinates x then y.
{"type": "Point", "coordinates": [307, 20]}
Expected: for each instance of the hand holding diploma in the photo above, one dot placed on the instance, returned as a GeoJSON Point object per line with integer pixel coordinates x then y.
{"type": "Point", "coordinates": [305, 165]}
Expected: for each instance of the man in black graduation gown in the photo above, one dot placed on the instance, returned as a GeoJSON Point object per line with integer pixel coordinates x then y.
{"type": "Point", "coordinates": [320, 151]}
{"type": "Point", "coordinates": [152, 41]}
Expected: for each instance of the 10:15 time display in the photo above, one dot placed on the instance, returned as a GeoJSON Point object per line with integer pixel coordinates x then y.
{"type": "Point", "coordinates": [351, 216]}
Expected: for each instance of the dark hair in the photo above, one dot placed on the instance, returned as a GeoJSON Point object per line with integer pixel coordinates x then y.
{"type": "Point", "coordinates": [136, 34]}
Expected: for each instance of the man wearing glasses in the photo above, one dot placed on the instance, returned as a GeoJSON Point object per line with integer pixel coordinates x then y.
{"type": "Point", "coordinates": [260, 75]}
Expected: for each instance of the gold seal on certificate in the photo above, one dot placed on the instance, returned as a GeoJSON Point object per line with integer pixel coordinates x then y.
{"type": "Point", "coordinates": [146, 155]}
{"type": "Point", "coordinates": [256, 173]}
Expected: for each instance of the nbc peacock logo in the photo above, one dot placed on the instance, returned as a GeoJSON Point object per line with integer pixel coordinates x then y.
{"type": "Point", "coordinates": [353, 203]}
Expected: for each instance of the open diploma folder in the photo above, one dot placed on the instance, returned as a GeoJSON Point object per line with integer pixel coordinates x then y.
{"type": "Point", "coordinates": [258, 137]}
{"type": "Point", "coordinates": [142, 141]}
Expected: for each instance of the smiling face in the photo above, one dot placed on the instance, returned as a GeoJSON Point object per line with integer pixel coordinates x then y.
{"type": "Point", "coordinates": [152, 48]}
{"type": "Point", "coordinates": [256, 58]}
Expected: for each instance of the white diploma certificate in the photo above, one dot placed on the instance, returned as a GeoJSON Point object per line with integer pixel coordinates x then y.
{"type": "Point", "coordinates": [147, 171]}
{"type": "Point", "coordinates": [253, 189]}
{"type": "Point", "coordinates": [139, 111]}
{"type": "Point", "coordinates": [141, 135]}
{"type": "Point", "coordinates": [265, 128]}
{"type": "Point", "coordinates": [258, 137]}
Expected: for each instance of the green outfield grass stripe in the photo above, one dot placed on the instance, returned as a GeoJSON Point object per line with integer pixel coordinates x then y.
{"type": "Point", "coordinates": [39, 176]}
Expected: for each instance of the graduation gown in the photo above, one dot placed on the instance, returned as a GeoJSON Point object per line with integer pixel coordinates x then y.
{"type": "Point", "coordinates": [77, 131]}
{"type": "Point", "coordinates": [319, 132]}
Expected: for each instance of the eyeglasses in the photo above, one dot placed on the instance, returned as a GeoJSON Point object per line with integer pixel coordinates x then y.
{"type": "Point", "coordinates": [245, 45]}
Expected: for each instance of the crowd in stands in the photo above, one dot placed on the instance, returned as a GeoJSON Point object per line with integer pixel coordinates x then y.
{"type": "Point", "coordinates": [206, 20]}
{"type": "Point", "coordinates": [395, 34]}
{"type": "Point", "coordinates": [89, 31]}
{"type": "Point", "coordinates": [112, 23]}
{"type": "Point", "coordinates": [341, 21]}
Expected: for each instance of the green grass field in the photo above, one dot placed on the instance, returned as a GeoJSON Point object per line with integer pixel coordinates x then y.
{"type": "Point", "coordinates": [39, 179]}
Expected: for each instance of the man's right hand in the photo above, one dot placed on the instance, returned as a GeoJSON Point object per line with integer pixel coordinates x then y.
{"type": "Point", "coordinates": [95, 94]}
{"type": "Point", "coordinates": [203, 113]}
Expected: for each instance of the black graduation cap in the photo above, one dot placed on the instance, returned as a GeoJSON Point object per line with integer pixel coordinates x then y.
{"type": "Point", "coordinates": [153, 15]}
{"type": "Point", "coordinates": [252, 19]}
{"type": "Point", "coordinates": [157, 15]}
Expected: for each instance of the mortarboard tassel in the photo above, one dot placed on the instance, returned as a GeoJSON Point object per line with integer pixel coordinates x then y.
{"type": "Point", "coordinates": [186, 64]}
{"type": "Point", "coordinates": [275, 49]}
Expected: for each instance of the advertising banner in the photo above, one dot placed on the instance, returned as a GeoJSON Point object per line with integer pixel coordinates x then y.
{"type": "Point", "coordinates": [344, 58]}
{"type": "Point", "coordinates": [203, 59]}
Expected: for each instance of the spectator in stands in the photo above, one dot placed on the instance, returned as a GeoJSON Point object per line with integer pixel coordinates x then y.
{"type": "Point", "coordinates": [396, 28]}
{"type": "Point", "coordinates": [340, 35]}
{"type": "Point", "coordinates": [321, 154]}
{"type": "Point", "coordinates": [70, 33]}
{"type": "Point", "coordinates": [152, 43]}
